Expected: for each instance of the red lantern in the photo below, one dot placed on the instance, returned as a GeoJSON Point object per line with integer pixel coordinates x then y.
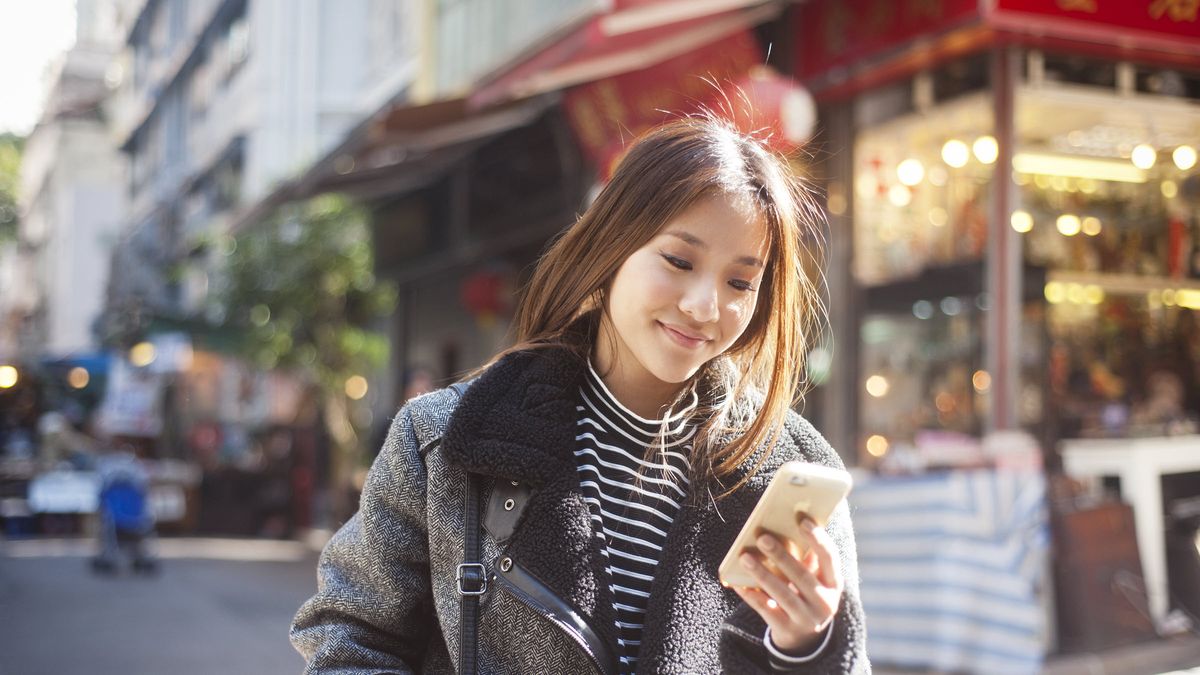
{"type": "Point", "coordinates": [486, 294]}
{"type": "Point", "coordinates": [773, 107]}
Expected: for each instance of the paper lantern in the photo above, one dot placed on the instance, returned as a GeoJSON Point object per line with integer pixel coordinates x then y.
{"type": "Point", "coordinates": [773, 107]}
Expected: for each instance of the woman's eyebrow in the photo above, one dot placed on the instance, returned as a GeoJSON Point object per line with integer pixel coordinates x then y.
{"type": "Point", "coordinates": [692, 239]}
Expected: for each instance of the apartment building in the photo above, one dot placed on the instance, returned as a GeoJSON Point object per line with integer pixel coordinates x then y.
{"type": "Point", "coordinates": [219, 101]}
{"type": "Point", "coordinates": [72, 199]}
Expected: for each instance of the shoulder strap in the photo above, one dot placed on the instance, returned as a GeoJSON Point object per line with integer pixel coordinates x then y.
{"type": "Point", "coordinates": [472, 580]}
{"type": "Point", "coordinates": [472, 576]}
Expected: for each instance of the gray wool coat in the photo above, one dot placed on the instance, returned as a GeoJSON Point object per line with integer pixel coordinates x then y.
{"type": "Point", "coordinates": [387, 599]}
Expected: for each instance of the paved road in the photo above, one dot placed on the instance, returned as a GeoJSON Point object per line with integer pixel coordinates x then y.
{"type": "Point", "coordinates": [216, 606]}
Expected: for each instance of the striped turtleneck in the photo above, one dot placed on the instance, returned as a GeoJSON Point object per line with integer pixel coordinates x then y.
{"type": "Point", "coordinates": [633, 499]}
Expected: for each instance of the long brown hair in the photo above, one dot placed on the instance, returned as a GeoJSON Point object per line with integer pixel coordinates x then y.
{"type": "Point", "coordinates": [748, 389]}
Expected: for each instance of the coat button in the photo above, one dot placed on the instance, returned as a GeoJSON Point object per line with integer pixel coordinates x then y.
{"type": "Point", "coordinates": [509, 504]}
{"type": "Point", "coordinates": [505, 564]}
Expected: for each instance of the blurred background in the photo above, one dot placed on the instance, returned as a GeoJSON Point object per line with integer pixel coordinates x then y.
{"type": "Point", "coordinates": [236, 235]}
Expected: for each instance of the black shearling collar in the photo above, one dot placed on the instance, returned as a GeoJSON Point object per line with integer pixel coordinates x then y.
{"type": "Point", "coordinates": [517, 420]}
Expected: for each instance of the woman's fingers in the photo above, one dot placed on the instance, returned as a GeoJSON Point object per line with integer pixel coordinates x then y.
{"type": "Point", "coordinates": [829, 568]}
{"type": "Point", "coordinates": [769, 610]}
{"type": "Point", "coordinates": [780, 590]}
{"type": "Point", "coordinates": [816, 576]}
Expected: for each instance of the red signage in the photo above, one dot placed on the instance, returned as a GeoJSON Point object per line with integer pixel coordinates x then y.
{"type": "Point", "coordinates": [1171, 18]}
{"type": "Point", "coordinates": [606, 115]}
{"type": "Point", "coordinates": [836, 33]}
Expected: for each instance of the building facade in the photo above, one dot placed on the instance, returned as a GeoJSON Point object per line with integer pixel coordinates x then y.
{"type": "Point", "coordinates": [72, 198]}
{"type": "Point", "coordinates": [219, 100]}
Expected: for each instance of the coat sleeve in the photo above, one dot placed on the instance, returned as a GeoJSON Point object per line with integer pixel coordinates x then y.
{"type": "Point", "coordinates": [373, 610]}
{"type": "Point", "coordinates": [846, 650]}
{"type": "Point", "coordinates": [844, 653]}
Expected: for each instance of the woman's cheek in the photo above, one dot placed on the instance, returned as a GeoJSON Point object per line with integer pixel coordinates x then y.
{"type": "Point", "coordinates": [740, 311]}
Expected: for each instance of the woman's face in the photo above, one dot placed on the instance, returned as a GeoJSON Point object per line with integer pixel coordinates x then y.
{"type": "Point", "coordinates": [686, 296]}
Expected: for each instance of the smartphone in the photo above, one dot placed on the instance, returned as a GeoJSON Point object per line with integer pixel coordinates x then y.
{"type": "Point", "coordinates": [797, 490]}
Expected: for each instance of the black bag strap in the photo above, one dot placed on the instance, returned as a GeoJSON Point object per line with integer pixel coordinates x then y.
{"type": "Point", "coordinates": [472, 581]}
{"type": "Point", "coordinates": [472, 575]}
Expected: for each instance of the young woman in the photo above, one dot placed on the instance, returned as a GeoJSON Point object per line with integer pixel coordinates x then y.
{"type": "Point", "coordinates": [619, 447]}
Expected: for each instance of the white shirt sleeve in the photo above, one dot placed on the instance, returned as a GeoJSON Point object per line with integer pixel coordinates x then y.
{"type": "Point", "coordinates": [788, 659]}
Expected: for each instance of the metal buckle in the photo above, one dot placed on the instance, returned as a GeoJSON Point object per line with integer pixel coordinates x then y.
{"type": "Point", "coordinates": [474, 574]}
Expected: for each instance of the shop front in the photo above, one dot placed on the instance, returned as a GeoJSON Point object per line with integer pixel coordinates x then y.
{"type": "Point", "coordinates": [1016, 198]}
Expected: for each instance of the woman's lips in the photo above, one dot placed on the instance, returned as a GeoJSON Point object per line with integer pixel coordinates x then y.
{"type": "Point", "coordinates": [682, 339]}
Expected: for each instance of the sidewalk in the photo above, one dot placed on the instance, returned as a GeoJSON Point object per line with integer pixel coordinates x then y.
{"type": "Point", "coordinates": [1180, 654]}
{"type": "Point", "coordinates": [1167, 656]}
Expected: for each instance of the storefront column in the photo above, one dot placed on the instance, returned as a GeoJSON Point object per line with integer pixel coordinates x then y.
{"type": "Point", "coordinates": [839, 410]}
{"type": "Point", "coordinates": [1003, 268]}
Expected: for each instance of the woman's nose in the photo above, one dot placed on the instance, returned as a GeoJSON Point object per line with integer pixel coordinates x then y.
{"type": "Point", "coordinates": [699, 302]}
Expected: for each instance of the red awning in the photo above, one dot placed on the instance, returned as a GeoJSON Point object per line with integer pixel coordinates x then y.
{"type": "Point", "coordinates": [625, 41]}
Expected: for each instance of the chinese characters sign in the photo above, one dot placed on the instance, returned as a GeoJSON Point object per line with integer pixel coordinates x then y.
{"type": "Point", "coordinates": [1176, 18]}
{"type": "Point", "coordinates": [840, 32]}
{"type": "Point", "coordinates": [606, 115]}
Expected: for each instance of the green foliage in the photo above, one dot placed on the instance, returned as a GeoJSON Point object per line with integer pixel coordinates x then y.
{"type": "Point", "coordinates": [300, 292]}
{"type": "Point", "coordinates": [11, 147]}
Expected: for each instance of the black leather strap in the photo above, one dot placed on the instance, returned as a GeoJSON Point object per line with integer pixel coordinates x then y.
{"type": "Point", "coordinates": [472, 576]}
{"type": "Point", "coordinates": [472, 581]}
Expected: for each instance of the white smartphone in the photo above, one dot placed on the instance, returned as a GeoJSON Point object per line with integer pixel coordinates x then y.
{"type": "Point", "coordinates": [797, 490]}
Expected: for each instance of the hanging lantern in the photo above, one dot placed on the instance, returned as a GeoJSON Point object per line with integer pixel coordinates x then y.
{"type": "Point", "coordinates": [773, 107]}
{"type": "Point", "coordinates": [486, 294]}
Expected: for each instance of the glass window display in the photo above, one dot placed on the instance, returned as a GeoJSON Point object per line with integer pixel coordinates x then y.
{"type": "Point", "coordinates": [1108, 203]}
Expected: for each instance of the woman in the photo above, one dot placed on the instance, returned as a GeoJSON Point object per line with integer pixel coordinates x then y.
{"type": "Point", "coordinates": [619, 445]}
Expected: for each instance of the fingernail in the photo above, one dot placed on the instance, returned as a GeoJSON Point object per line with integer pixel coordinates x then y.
{"type": "Point", "coordinates": [766, 542]}
{"type": "Point", "coordinates": [748, 561]}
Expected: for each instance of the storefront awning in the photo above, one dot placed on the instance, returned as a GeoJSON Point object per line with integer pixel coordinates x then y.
{"type": "Point", "coordinates": [623, 42]}
{"type": "Point", "coordinates": [399, 149]}
{"type": "Point", "coordinates": [848, 46]}
{"type": "Point", "coordinates": [404, 147]}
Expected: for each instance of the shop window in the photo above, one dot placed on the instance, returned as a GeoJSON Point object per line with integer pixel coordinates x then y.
{"type": "Point", "coordinates": [1165, 82]}
{"type": "Point", "coordinates": [921, 186]}
{"type": "Point", "coordinates": [1107, 202]}
{"type": "Point", "coordinates": [501, 177]}
{"type": "Point", "coordinates": [1075, 69]}
{"type": "Point", "coordinates": [923, 379]}
{"type": "Point", "coordinates": [961, 76]}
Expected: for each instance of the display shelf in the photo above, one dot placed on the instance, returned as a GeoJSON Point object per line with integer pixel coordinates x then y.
{"type": "Point", "coordinates": [1123, 284]}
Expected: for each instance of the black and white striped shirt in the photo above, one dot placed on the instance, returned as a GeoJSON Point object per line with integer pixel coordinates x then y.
{"type": "Point", "coordinates": [633, 500]}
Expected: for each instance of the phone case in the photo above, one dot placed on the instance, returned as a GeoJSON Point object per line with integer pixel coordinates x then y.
{"type": "Point", "coordinates": [797, 488]}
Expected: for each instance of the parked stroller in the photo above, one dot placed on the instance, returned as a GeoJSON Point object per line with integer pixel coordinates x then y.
{"type": "Point", "coordinates": [126, 523]}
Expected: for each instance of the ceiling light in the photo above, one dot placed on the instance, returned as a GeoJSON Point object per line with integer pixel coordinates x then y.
{"type": "Point", "coordinates": [986, 149]}
{"type": "Point", "coordinates": [1069, 224]}
{"type": "Point", "coordinates": [1143, 156]}
{"type": "Point", "coordinates": [1045, 164]}
{"type": "Point", "coordinates": [910, 172]}
{"type": "Point", "coordinates": [1184, 157]}
{"type": "Point", "coordinates": [955, 153]}
{"type": "Point", "coordinates": [1021, 221]}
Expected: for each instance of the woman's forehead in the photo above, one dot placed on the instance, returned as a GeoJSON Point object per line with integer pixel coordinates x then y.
{"type": "Point", "coordinates": [729, 224]}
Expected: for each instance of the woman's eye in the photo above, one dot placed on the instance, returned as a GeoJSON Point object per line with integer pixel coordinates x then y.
{"type": "Point", "coordinates": [741, 285]}
{"type": "Point", "coordinates": [679, 263]}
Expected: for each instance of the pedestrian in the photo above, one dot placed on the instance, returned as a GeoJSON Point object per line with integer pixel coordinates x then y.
{"type": "Point", "coordinates": [124, 519]}
{"type": "Point", "coordinates": [614, 453]}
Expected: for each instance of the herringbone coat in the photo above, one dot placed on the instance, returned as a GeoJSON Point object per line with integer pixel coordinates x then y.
{"type": "Point", "coordinates": [387, 599]}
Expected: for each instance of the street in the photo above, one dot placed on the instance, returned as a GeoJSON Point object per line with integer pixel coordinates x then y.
{"type": "Point", "coordinates": [215, 606]}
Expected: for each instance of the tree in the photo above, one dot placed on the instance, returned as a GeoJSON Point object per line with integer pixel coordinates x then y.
{"type": "Point", "coordinates": [299, 292]}
{"type": "Point", "coordinates": [11, 147]}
